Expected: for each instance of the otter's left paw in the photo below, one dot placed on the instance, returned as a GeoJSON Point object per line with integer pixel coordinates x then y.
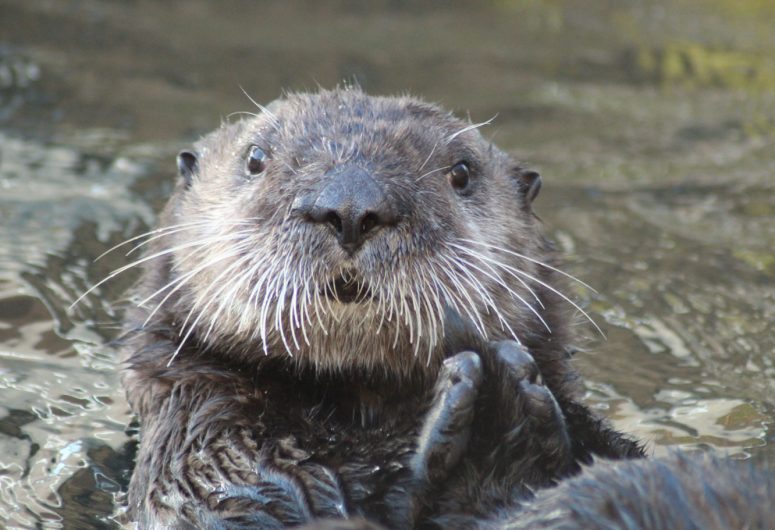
{"type": "Point", "coordinates": [535, 443]}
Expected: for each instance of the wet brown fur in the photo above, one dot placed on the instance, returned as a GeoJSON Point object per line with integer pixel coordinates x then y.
{"type": "Point", "coordinates": [320, 398]}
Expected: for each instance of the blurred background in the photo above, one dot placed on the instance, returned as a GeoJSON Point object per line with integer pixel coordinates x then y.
{"type": "Point", "coordinates": [652, 122]}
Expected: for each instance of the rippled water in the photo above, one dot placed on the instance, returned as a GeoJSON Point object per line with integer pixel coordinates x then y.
{"type": "Point", "coordinates": [652, 123]}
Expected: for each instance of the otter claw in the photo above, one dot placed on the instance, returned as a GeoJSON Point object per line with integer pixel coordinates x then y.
{"type": "Point", "coordinates": [514, 359]}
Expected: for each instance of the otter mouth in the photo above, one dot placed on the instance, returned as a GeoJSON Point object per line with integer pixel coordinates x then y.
{"type": "Point", "coordinates": [347, 289]}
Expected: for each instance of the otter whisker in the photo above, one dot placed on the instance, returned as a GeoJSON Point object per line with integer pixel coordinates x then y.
{"type": "Point", "coordinates": [140, 261]}
{"type": "Point", "coordinates": [390, 293]}
{"type": "Point", "coordinates": [149, 233]}
{"type": "Point", "coordinates": [479, 256]}
{"type": "Point", "coordinates": [329, 289]}
{"type": "Point", "coordinates": [273, 118]}
{"type": "Point", "coordinates": [278, 296]}
{"type": "Point", "coordinates": [382, 304]}
{"type": "Point", "coordinates": [471, 127]}
{"type": "Point", "coordinates": [417, 317]}
{"type": "Point", "coordinates": [193, 324]}
{"type": "Point", "coordinates": [364, 291]}
{"type": "Point", "coordinates": [204, 293]}
{"type": "Point", "coordinates": [181, 282]}
{"type": "Point", "coordinates": [293, 316]}
{"type": "Point", "coordinates": [489, 304]}
{"type": "Point", "coordinates": [154, 238]}
{"type": "Point", "coordinates": [487, 261]}
{"type": "Point", "coordinates": [280, 308]}
{"type": "Point", "coordinates": [271, 272]}
{"type": "Point", "coordinates": [225, 302]}
{"type": "Point", "coordinates": [318, 307]}
{"type": "Point", "coordinates": [418, 179]}
{"type": "Point", "coordinates": [448, 297]}
{"type": "Point", "coordinates": [396, 297]}
{"type": "Point", "coordinates": [433, 150]}
{"type": "Point", "coordinates": [433, 311]}
{"type": "Point", "coordinates": [405, 309]}
{"type": "Point", "coordinates": [496, 278]}
{"type": "Point", "coordinates": [432, 315]}
{"type": "Point", "coordinates": [467, 304]}
{"type": "Point", "coordinates": [474, 316]}
{"type": "Point", "coordinates": [253, 297]}
{"type": "Point", "coordinates": [532, 260]}
{"type": "Point", "coordinates": [306, 304]}
{"type": "Point", "coordinates": [290, 168]}
{"type": "Point", "coordinates": [486, 298]}
{"type": "Point", "coordinates": [253, 284]}
{"type": "Point", "coordinates": [186, 258]}
{"type": "Point", "coordinates": [242, 113]}
{"type": "Point", "coordinates": [554, 290]}
{"type": "Point", "coordinates": [302, 279]}
{"type": "Point", "coordinates": [205, 223]}
{"type": "Point", "coordinates": [222, 302]}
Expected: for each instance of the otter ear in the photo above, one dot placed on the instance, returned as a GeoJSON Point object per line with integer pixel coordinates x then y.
{"type": "Point", "coordinates": [188, 166]}
{"type": "Point", "coordinates": [529, 183]}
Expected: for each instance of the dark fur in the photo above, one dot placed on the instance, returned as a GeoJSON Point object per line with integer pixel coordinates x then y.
{"type": "Point", "coordinates": [234, 438]}
{"type": "Point", "coordinates": [678, 492]}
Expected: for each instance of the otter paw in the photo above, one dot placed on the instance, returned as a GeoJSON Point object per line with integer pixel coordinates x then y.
{"type": "Point", "coordinates": [442, 440]}
{"type": "Point", "coordinates": [514, 362]}
{"type": "Point", "coordinates": [542, 416]}
{"type": "Point", "coordinates": [531, 418]}
{"type": "Point", "coordinates": [447, 426]}
{"type": "Point", "coordinates": [509, 368]}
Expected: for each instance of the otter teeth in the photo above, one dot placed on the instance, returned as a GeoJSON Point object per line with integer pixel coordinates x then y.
{"type": "Point", "coordinates": [347, 288]}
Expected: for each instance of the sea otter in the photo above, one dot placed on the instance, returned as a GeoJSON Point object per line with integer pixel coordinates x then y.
{"type": "Point", "coordinates": [349, 309]}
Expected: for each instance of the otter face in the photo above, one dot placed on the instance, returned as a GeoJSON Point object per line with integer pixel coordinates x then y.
{"type": "Point", "coordinates": [336, 228]}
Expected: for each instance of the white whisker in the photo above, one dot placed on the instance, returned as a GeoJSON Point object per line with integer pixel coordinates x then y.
{"type": "Point", "coordinates": [433, 150]}
{"type": "Point", "coordinates": [554, 290]}
{"type": "Point", "coordinates": [532, 260]}
{"type": "Point", "coordinates": [146, 234]}
{"type": "Point", "coordinates": [486, 298]}
{"type": "Point", "coordinates": [469, 128]}
{"type": "Point", "coordinates": [469, 308]}
{"type": "Point", "coordinates": [272, 116]}
{"type": "Point", "coordinates": [496, 278]}
{"type": "Point", "coordinates": [140, 261]}
{"type": "Point", "coordinates": [418, 179]}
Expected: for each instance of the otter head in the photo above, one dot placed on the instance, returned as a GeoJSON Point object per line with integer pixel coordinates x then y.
{"type": "Point", "coordinates": [336, 229]}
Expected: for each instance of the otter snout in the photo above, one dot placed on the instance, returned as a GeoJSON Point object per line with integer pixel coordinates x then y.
{"type": "Point", "coordinates": [352, 203]}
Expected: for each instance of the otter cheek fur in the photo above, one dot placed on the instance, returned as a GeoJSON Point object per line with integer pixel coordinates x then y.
{"type": "Point", "coordinates": [295, 303]}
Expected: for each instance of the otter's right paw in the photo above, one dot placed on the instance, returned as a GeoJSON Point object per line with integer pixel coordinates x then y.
{"type": "Point", "coordinates": [442, 440]}
{"type": "Point", "coordinates": [447, 426]}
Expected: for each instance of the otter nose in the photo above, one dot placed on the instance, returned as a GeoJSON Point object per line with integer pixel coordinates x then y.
{"type": "Point", "coordinates": [352, 203]}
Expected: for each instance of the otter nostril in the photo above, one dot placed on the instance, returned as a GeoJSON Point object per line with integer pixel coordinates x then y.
{"type": "Point", "coordinates": [369, 221]}
{"type": "Point", "coordinates": [334, 220]}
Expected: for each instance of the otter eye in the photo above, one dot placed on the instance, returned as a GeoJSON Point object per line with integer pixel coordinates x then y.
{"type": "Point", "coordinates": [256, 160]}
{"type": "Point", "coordinates": [459, 175]}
